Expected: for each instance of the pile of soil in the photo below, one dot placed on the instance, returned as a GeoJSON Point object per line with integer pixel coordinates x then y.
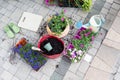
{"type": "Point", "coordinates": [56, 45]}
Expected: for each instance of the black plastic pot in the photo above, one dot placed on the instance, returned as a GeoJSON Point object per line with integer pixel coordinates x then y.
{"type": "Point", "coordinates": [69, 3]}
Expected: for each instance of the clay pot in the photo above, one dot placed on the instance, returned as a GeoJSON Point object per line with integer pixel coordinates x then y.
{"type": "Point", "coordinates": [22, 42]}
{"type": "Point", "coordinates": [64, 33]}
{"type": "Point", "coordinates": [45, 37]}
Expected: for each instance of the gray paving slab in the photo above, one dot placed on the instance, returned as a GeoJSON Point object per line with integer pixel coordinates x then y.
{"type": "Point", "coordinates": [116, 6]}
{"type": "Point", "coordinates": [107, 5]}
{"type": "Point", "coordinates": [103, 53]}
{"type": "Point", "coordinates": [84, 67]}
{"type": "Point", "coordinates": [117, 76]}
{"type": "Point", "coordinates": [92, 51]}
{"type": "Point", "coordinates": [70, 76]}
{"type": "Point", "coordinates": [11, 11]}
{"type": "Point", "coordinates": [117, 1]}
{"type": "Point", "coordinates": [115, 25]}
{"type": "Point", "coordinates": [56, 76]}
{"type": "Point", "coordinates": [113, 11]}
{"type": "Point", "coordinates": [96, 74]}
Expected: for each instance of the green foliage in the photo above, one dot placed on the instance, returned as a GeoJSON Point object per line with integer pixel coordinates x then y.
{"type": "Point", "coordinates": [34, 58]}
{"type": "Point", "coordinates": [58, 23]}
{"type": "Point", "coordinates": [77, 2]}
{"type": "Point", "coordinates": [85, 41]}
{"type": "Point", "coordinates": [87, 4]}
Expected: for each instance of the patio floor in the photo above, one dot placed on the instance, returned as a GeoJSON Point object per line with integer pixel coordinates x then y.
{"type": "Point", "coordinates": [104, 50]}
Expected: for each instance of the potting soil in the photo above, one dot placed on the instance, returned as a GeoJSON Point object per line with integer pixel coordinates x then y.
{"type": "Point", "coordinates": [56, 45]}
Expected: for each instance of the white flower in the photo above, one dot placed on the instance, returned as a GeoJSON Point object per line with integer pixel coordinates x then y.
{"type": "Point", "coordinates": [75, 49]}
{"type": "Point", "coordinates": [75, 60]}
{"type": "Point", "coordinates": [79, 52]}
{"type": "Point", "coordinates": [70, 58]}
{"type": "Point", "coordinates": [70, 50]}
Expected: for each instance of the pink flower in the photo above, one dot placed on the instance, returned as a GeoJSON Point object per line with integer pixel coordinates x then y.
{"type": "Point", "coordinates": [82, 45]}
{"type": "Point", "coordinates": [62, 19]}
{"type": "Point", "coordinates": [86, 34]}
{"type": "Point", "coordinates": [70, 46]}
{"type": "Point", "coordinates": [47, 2]}
{"type": "Point", "coordinates": [90, 29]}
{"type": "Point", "coordinates": [64, 52]}
{"type": "Point", "coordinates": [77, 37]}
{"type": "Point", "coordinates": [73, 54]}
{"type": "Point", "coordinates": [64, 10]}
{"type": "Point", "coordinates": [92, 38]}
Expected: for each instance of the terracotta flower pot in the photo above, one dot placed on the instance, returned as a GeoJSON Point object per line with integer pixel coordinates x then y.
{"type": "Point", "coordinates": [64, 33]}
{"type": "Point", "coordinates": [45, 37]}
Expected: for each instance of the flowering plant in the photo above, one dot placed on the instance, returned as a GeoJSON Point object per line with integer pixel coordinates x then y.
{"type": "Point", "coordinates": [50, 2]}
{"type": "Point", "coordinates": [74, 54]}
{"type": "Point", "coordinates": [58, 22]}
{"type": "Point", "coordinates": [34, 58]}
{"type": "Point", "coordinates": [80, 44]}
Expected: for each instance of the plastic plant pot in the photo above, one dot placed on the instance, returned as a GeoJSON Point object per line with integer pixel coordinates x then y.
{"type": "Point", "coordinates": [45, 37]}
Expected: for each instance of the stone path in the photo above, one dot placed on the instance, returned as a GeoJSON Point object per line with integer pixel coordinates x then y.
{"type": "Point", "coordinates": [60, 68]}
{"type": "Point", "coordinates": [106, 65]}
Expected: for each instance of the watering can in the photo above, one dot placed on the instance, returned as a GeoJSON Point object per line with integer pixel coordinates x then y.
{"type": "Point", "coordinates": [95, 22]}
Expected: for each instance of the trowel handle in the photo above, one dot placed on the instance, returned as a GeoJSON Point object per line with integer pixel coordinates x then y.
{"type": "Point", "coordinates": [35, 48]}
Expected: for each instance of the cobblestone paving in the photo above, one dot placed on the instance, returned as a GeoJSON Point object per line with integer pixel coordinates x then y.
{"type": "Point", "coordinates": [11, 11]}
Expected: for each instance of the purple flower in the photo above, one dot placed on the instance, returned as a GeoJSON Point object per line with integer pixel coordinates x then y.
{"type": "Point", "coordinates": [78, 33]}
{"type": "Point", "coordinates": [31, 61]}
{"type": "Point", "coordinates": [36, 65]}
{"type": "Point", "coordinates": [29, 52]}
{"type": "Point", "coordinates": [64, 10]}
{"type": "Point", "coordinates": [64, 52]}
{"type": "Point", "coordinates": [26, 56]}
{"type": "Point", "coordinates": [46, 2]}
{"type": "Point", "coordinates": [73, 55]}
{"type": "Point", "coordinates": [92, 38]}
{"type": "Point", "coordinates": [82, 28]}
{"type": "Point", "coordinates": [15, 49]}
{"type": "Point", "coordinates": [70, 46]}
{"type": "Point", "coordinates": [77, 37]}
{"type": "Point", "coordinates": [35, 59]}
{"type": "Point", "coordinates": [86, 34]}
{"type": "Point", "coordinates": [62, 19]}
{"type": "Point", "coordinates": [82, 45]}
{"type": "Point", "coordinates": [56, 14]}
{"type": "Point", "coordinates": [19, 46]}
